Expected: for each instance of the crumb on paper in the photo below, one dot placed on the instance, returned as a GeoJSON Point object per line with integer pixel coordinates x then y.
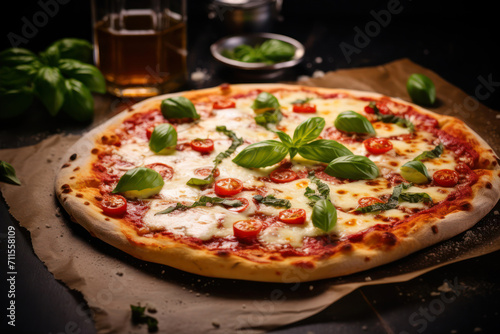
{"type": "Point", "coordinates": [318, 60]}
{"type": "Point", "coordinates": [318, 74]}
{"type": "Point", "coordinates": [216, 323]}
{"type": "Point", "coordinates": [368, 278]}
{"type": "Point", "coordinates": [311, 287]}
{"type": "Point", "coordinates": [200, 75]}
{"type": "Point", "coordinates": [435, 293]}
{"type": "Point", "coordinates": [496, 212]}
{"type": "Point", "coordinates": [303, 78]}
{"type": "Point", "coordinates": [445, 287]}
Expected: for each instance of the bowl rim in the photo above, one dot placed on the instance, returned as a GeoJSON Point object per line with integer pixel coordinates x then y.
{"type": "Point", "coordinates": [215, 49]}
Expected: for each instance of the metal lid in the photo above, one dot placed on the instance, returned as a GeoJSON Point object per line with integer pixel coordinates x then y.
{"type": "Point", "coordinates": [243, 3]}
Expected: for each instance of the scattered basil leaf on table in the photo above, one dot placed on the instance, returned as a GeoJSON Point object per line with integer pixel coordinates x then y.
{"type": "Point", "coordinates": [163, 137]}
{"type": "Point", "coordinates": [235, 143]}
{"type": "Point", "coordinates": [139, 182]}
{"type": "Point", "coordinates": [78, 101]}
{"type": "Point", "coordinates": [415, 171]}
{"type": "Point", "coordinates": [324, 215]}
{"type": "Point", "coordinates": [421, 89]}
{"type": "Point", "coordinates": [139, 317]}
{"type": "Point", "coordinates": [178, 107]}
{"type": "Point", "coordinates": [351, 121]}
{"type": "Point", "coordinates": [8, 174]}
{"type": "Point", "coordinates": [273, 201]}
{"type": "Point", "coordinates": [353, 167]}
{"type": "Point", "coordinates": [202, 201]}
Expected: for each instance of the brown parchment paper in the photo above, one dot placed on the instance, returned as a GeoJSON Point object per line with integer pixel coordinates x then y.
{"type": "Point", "coordinates": [111, 281]}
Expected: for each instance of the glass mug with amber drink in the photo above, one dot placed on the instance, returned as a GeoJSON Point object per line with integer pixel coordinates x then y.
{"type": "Point", "coordinates": [140, 45]}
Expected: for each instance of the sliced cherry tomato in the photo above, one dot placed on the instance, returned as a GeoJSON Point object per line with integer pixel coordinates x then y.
{"type": "Point", "coordinates": [381, 107]}
{"type": "Point", "coordinates": [378, 145]}
{"type": "Point", "coordinates": [367, 201]}
{"type": "Point", "coordinates": [247, 229]}
{"type": "Point", "coordinates": [224, 104]}
{"type": "Point", "coordinates": [305, 108]}
{"type": "Point", "coordinates": [149, 131]}
{"type": "Point", "coordinates": [445, 178]}
{"type": "Point", "coordinates": [202, 145]}
{"type": "Point", "coordinates": [369, 110]}
{"type": "Point", "coordinates": [114, 205]}
{"type": "Point", "coordinates": [228, 187]}
{"type": "Point", "coordinates": [164, 170]}
{"type": "Point", "coordinates": [205, 171]}
{"type": "Point", "coordinates": [283, 175]}
{"type": "Point", "coordinates": [292, 216]}
{"type": "Point", "coordinates": [242, 208]}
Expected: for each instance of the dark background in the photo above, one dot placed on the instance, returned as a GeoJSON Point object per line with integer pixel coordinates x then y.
{"type": "Point", "coordinates": [457, 40]}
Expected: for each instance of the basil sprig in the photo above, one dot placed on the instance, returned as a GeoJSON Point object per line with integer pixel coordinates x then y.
{"type": "Point", "coordinates": [178, 107]}
{"type": "Point", "coordinates": [273, 201]}
{"type": "Point", "coordinates": [139, 179]}
{"type": "Point", "coordinates": [432, 154]}
{"type": "Point", "coordinates": [269, 152]}
{"type": "Point", "coordinates": [324, 215]}
{"type": "Point", "coordinates": [421, 89]}
{"type": "Point", "coordinates": [398, 195]}
{"type": "Point", "coordinates": [236, 142]}
{"type": "Point", "coordinates": [139, 317]}
{"type": "Point", "coordinates": [267, 108]}
{"type": "Point", "coordinates": [58, 77]}
{"type": "Point", "coordinates": [415, 171]}
{"type": "Point", "coordinates": [354, 167]}
{"type": "Point", "coordinates": [323, 190]}
{"type": "Point", "coordinates": [202, 201]}
{"type": "Point", "coordinates": [163, 137]}
{"type": "Point", "coordinates": [351, 121]}
{"type": "Point", "coordinates": [8, 174]}
{"type": "Point", "coordinates": [400, 121]}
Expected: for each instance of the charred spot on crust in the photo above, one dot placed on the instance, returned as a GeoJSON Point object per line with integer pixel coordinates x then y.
{"type": "Point", "coordinates": [79, 195]}
{"type": "Point", "coordinates": [466, 206]}
{"type": "Point", "coordinates": [346, 248]}
{"type": "Point", "coordinates": [73, 157]}
{"type": "Point", "coordinates": [489, 185]}
{"type": "Point", "coordinates": [94, 151]}
{"type": "Point", "coordinates": [367, 259]}
{"type": "Point", "coordinates": [66, 165]}
{"type": "Point", "coordinates": [222, 253]}
{"type": "Point", "coordinates": [86, 203]}
{"type": "Point", "coordinates": [388, 238]}
{"type": "Point", "coordinates": [76, 169]}
{"type": "Point", "coordinates": [434, 229]}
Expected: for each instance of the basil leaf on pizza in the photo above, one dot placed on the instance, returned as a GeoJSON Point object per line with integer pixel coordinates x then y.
{"type": "Point", "coordinates": [324, 215]}
{"type": "Point", "coordinates": [432, 154]}
{"type": "Point", "coordinates": [262, 154]}
{"type": "Point", "coordinates": [163, 137]}
{"type": "Point", "coordinates": [178, 107]}
{"type": "Point", "coordinates": [139, 182]}
{"type": "Point", "coordinates": [390, 118]}
{"type": "Point", "coordinates": [323, 150]}
{"type": "Point", "coordinates": [322, 190]}
{"type": "Point", "coordinates": [351, 121]}
{"type": "Point", "coordinates": [267, 108]}
{"type": "Point", "coordinates": [308, 130]}
{"type": "Point", "coordinates": [354, 167]}
{"type": "Point", "coordinates": [415, 171]}
{"type": "Point", "coordinates": [273, 201]}
{"type": "Point", "coordinates": [202, 201]}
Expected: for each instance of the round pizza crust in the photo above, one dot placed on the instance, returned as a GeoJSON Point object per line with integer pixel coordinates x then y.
{"type": "Point", "coordinates": [421, 233]}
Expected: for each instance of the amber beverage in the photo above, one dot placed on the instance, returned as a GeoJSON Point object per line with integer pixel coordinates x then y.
{"type": "Point", "coordinates": [141, 51]}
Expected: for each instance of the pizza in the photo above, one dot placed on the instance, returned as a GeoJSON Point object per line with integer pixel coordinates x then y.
{"type": "Point", "coordinates": [277, 183]}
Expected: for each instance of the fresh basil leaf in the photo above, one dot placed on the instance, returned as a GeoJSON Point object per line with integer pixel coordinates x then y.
{"type": "Point", "coordinates": [415, 197]}
{"type": "Point", "coordinates": [163, 136]}
{"type": "Point", "coordinates": [137, 179]}
{"type": "Point", "coordinates": [273, 116]}
{"type": "Point", "coordinates": [203, 201]}
{"type": "Point", "coordinates": [49, 85]}
{"type": "Point", "coordinates": [433, 154]}
{"type": "Point", "coordinates": [354, 167]}
{"type": "Point", "coordinates": [415, 171]}
{"type": "Point", "coordinates": [388, 118]}
{"type": "Point", "coordinates": [138, 317]}
{"type": "Point", "coordinates": [248, 54]}
{"type": "Point", "coordinates": [178, 107]}
{"type": "Point", "coordinates": [285, 138]}
{"type": "Point", "coordinates": [88, 74]}
{"type": "Point", "coordinates": [273, 201]}
{"type": "Point", "coordinates": [265, 101]}
{"type": "Point", "coordinates": [236, 142]}
{"type": "Point", "coordinates": [8, 174]}
{"type": "Point", "coordinates": [323, 150]}
{"type": "Point", "coordinates": [78, 101]}
{"type": "Point", "coordinates": [324, 215]}
{"type": "Point", "coordinates": [15, 101]}
{"type": "Point", "coordinates": [261, 154]}
{"type": "Point", "coordinates": [74, 48]}
{"type": "Point", "coordinates": [277, 50]}
{"type": "Point", "coordinates": [308, 130]}
{"type": "Point", "coordinates": [302, 101]}
{"type": "Point", "coordinates": [17, 56]}
{"type": "Point", "coordinates": [16, 76]}
{"type": "Point", "coordinates": [350, 121]}
{"type": "Point", "coordinates": [323, 190]}
{"type": "Point", "coordinates": [421, 89]}
{"type": "Point", "coordinates": [50, 56]}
